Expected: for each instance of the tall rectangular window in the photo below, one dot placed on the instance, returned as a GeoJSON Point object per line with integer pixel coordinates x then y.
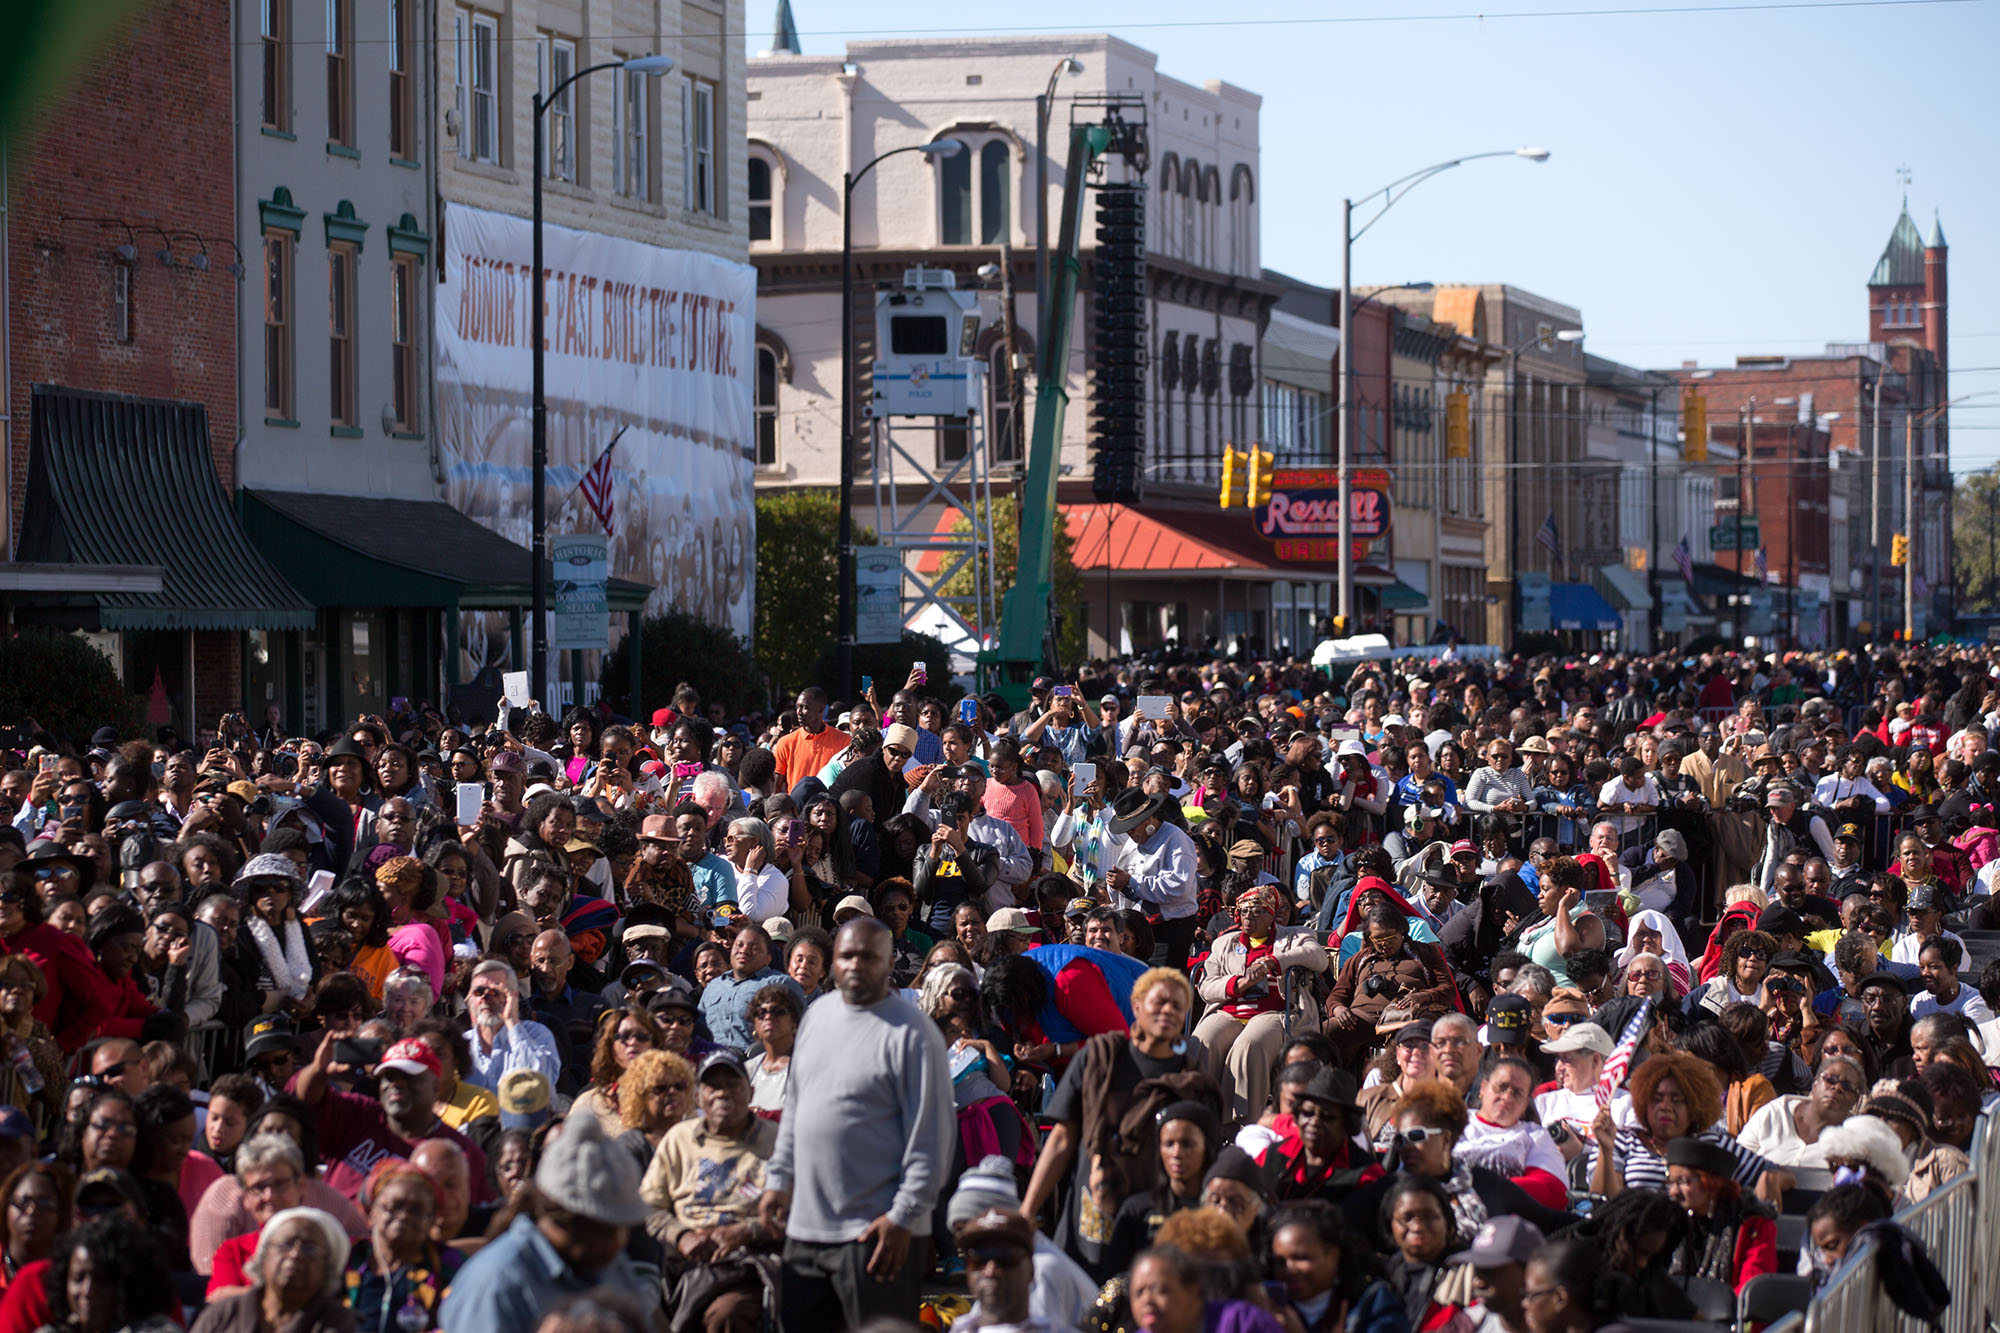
{"type": "Point", "coordinates": [278, 325]}
{"type": "Point", "coordinates": [121, 302]}
{"type": "Point", "coordinates": [767, 407]}
{"type": "Point", "coordinates": [277, 85]}
{"type": "Point", "coordinates": [482, 131]}
{"type": "Point", "coordinates": [402, 88]}
{"type": "Point", "coordinates": [698, 144]}
{"type": "Point", "coordinates": [403, 378]}
{"type": "Point", "coordinates": [757, 192]}
{"type": "Point", "coordinates": [340, 73]}
{"type": "Point", "coordinates": [340, 334]}
{"type": "Point", "coordinates": [629, 120]}
{"type": "Point", "coordinates": [555, 62]}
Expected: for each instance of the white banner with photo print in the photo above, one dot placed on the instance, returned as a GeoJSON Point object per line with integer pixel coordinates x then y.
{"type": "Point", "coordinates": [657, 343]}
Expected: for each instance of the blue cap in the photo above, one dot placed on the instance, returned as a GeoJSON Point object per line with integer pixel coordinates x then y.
{"type": "Point", "coordinates": [15, 1124]}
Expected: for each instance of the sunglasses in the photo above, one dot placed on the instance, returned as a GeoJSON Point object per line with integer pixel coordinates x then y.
{"type": "Point", "coordinates": [1562, 1020]}
{"type": "Point", "coordinates": [1419, 1135]}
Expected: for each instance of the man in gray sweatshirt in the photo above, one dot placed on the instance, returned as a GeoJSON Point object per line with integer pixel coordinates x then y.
{"type": "Point", "coordinates": [864, 1145]}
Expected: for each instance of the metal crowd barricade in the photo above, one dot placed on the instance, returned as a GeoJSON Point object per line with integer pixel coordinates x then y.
{"type": "Point", "coordinates": [1959, 1224]}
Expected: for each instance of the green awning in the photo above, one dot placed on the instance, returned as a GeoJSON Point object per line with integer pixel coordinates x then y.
{"type": "Point", "coordinates": [1400, 596]}
{"type": "Point", "coordinates": [360, 550]}
{"type": "Point", "coordinates": [117, 480]}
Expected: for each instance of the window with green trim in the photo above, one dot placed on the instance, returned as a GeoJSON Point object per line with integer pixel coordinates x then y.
{"type": "Point", "coordinates": [278, 323]}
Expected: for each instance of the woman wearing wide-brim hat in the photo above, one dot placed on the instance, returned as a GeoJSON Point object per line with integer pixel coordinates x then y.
{"type": "Point", "coordinates": [1156, 872]}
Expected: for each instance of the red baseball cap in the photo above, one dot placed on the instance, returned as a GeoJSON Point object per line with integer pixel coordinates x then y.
{"type": "Point", "coordinates": [410, 1056]}
{"type": "Point", "coordinates": [664, 717]}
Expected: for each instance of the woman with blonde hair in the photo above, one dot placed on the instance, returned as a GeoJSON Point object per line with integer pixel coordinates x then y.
{"type": "Point", "coordinates": [657, 1093]}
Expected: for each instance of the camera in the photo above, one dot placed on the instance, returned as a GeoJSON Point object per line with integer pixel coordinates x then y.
{"type": "Point", "coordinates": [1378, 986]}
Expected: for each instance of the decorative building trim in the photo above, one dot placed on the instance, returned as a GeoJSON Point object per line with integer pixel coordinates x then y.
{"type": "Point", "coordinates": [343, 227]}
{"type": "Point", "coordinates": [280, 213]}
{"type": "Point", "coordinates": [406, 237]}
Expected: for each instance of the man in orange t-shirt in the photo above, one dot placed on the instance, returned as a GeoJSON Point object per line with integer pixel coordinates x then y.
{"type": "Point", "coordinates": [803, 752]}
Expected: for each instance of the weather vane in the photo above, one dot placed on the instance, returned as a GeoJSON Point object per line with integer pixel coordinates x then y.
{"type": "Point", "coordinates": [1903, 175]}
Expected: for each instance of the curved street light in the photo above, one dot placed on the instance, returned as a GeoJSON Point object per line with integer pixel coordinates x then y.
{"type": "Point", "coordinates": [844, 652]}
{"type": "Point", "coordinates": [1390, 195]}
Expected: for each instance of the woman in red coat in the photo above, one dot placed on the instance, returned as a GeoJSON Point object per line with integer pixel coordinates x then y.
{"type": "Point", "coordinates": [1730, 1238]}
{"type": "Point", "coordinates": [79, 998]}
{"type": "Point", "coordinates": [116, 936]}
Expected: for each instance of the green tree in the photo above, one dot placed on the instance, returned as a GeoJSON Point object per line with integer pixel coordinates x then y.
{"type": "Point", "coordinates": [798, 583]}
{"type": "Point", "coordinates": [682, 647]}
{"type": "Point", "coordinates": [1066, 595]}
{"type": "Point", "coordinates": [1975, 541]}
{"type": "Point", "coordinates": [63, 683]}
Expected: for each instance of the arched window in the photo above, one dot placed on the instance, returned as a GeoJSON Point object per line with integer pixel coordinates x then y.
{"type": "Point", "coordinates": [976, 192]}
{"type": "Point", "coordinates": [1165, 221]}
{"type": "Point", "coordinates": [758, 194]}
{"type": "Point", "coordinates": [1242, 220]}
{"type": "Point", "coordinates": [767, 404]}
{"type": "Point", "coordinates": [1189, 176]}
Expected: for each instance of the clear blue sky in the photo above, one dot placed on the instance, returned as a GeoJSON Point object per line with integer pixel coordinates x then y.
{"type": "Point", "coordinates": [1721, 182]}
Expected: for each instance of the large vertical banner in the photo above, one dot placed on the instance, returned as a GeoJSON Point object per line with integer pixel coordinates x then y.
{"type": "Point", "coordinates": [657, 343]}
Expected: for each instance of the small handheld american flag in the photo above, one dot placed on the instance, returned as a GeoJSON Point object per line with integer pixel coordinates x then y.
{"type": "Point", "coordinates": [1620, 1061]}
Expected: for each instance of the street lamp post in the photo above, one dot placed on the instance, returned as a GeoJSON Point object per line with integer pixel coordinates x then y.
{"type": "Point", "coordinates": [845, 645]}
{"type": "Point", "coordinates": [1344, 404]}
{"type": "Point", "coordinates": [1043, 106]}
{"type": "Point", "coordinates": [538, 550]}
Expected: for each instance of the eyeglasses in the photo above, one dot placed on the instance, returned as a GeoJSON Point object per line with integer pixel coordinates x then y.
{"type": "Point", "coordinates": [34, 1203]}
{"type": "Point", "coordinates": [489, 993]}
{"type": "Point", "coordinates": [1840, 1085]}
{"type": "Point", "coordinates": [634, 1037]}
{"type": "Point", "coordinates": [663, 1089]}
{"type": "Point", "coordinates": [674, 1020]}
{"type": "Point", "coordinates": [1562, 1020]}
{"type": "Point", "coordinates": [1006, 1256]}
{"type": "Point", "coordinates": [1419, 1134]}
{"type": "Point", "coordinates": [779, 1010]}
{"type": "Point", "coordinates": [264, 1189]}
{"type": "Point", "coordinates": [514, 940]}
{"type": "Point", "coordinates": [171, 934]}
{"type": "Point", "coordinates": [116, 1128]}
{"type": "Point", "coordinates": [299, 1245]}
{"type": "Point", "coordinates": [1760, 954]}
{"type": "Point", "coordinates": [1536, 1293]}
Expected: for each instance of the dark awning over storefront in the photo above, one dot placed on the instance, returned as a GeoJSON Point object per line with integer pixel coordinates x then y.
{"type": "Point", "coordinates": [354, 550]}
{"type": "Point", "coordinates": [115, 480]}
{"type": "Point", "coordinates": [1580, 606]}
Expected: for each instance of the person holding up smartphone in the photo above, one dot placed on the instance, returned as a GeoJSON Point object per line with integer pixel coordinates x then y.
{"type": "Point", "coordinates": [1068, 723]}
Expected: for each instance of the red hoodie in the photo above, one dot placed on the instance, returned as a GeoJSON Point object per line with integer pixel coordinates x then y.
{"type": "Point", "coordinates": [80, 997]}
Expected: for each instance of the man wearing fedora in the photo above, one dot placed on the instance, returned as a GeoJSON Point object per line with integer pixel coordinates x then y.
{"type": "Point", "coordinates": [1156, 872]}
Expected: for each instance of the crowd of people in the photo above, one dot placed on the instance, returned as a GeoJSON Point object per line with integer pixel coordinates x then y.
{"type": "Point", "coordinates": [1516, 996]}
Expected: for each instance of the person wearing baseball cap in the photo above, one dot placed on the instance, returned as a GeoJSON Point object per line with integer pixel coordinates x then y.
{"type": "Point", "coordinates": [1580, 1050]}
{"type": "Point", "coordinates": [1499, 1258]}
{"type": "Point", "coordinates": [356, 1131]}
{"type": "Point", "coordinates": [586, 1193]}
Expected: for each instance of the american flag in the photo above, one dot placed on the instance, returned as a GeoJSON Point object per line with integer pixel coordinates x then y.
{"type": "Point", "coordinates": [596, 485]}
{"type": "Point", "coordinates": [1685, 559]}
{"type": "Point", "coordinates": [1620, 1060]}
{"type": "Point", "coordinates": [1763, 567]}
{"type": "Point", "coordinates": [1550, 538]}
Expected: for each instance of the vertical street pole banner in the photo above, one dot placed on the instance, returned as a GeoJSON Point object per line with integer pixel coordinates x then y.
{"type": "Point", "coordinates": [579, 564]}
{"type": "Point", "coordinates": [659, 343]}
{"type": "Point", "coordinates": [878, 594]}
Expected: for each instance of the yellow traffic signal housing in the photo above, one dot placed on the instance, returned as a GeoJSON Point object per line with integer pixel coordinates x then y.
{"type": "Point", "coordinates": [1899, 550]}
{"type": "Point", "coordinates": [1694, 426]}
{"type": "Point", "coordinates": [1458, 424]}
{"type": "Point", "coordinates": [1232, 479]}
{"type": "Point", "coordinates": [1261, 461]}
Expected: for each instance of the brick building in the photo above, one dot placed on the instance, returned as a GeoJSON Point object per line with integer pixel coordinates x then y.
{"type": "Point", "coordinates": [1877, 403]}
{"type": "Point", "coordinates": [122, 284]}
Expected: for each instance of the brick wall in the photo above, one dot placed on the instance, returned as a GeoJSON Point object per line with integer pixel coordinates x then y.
{"type": "Point", "coordinates": [218, 669]}
{"type": "Point", "coordinates": [143, 137]}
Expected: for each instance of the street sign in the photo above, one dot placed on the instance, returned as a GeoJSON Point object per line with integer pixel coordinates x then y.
{"type": "Point", "coordinates": [878, 594]}
{"type": "Point", "coordinates": [1302, 515]}
{"type": "Point", "coordinates": [1726, 536]}
{"type": "Point", "coordinates": [580, 564]}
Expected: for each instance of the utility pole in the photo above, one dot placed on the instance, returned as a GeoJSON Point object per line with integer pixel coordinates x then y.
{"type": "Point", "coordinates": [1910, 526]}
{"type": "Point", "coordinates": [1875, 510]}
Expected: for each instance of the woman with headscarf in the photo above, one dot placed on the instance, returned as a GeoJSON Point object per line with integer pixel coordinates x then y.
{"type": "Point", "coordinates": [1372, 891]}
{"type": "Point", "coordinates": [1243, 982]}
{"type": "Point", "coordinates": [296, 1278]}
{"type": "Point", "coordinates": [409, 891]}
{"type": "Point", "coordinates": [1651, 932]}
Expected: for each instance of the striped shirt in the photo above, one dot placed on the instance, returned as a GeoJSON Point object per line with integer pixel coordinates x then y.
{"type": "Point", "coordinates": [1644, 1169]}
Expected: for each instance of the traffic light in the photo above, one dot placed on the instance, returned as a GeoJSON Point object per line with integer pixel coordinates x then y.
{"type": "Point", "coordinates": [1259, 488]}
{"type": "Point", "coordinates": [1232, 475]}
{"type": "Point", "coordinates": [1899, 550]}
{"type": "Point", "coordinates": [1458, 424]}
{"type": "Point", "coordinates": [1694, 426]}
{"type": "Point", "coordinates": [1118, 374]}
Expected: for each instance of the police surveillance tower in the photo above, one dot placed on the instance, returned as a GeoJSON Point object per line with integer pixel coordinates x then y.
{"type": "Point", "coordinates": [927, 336]}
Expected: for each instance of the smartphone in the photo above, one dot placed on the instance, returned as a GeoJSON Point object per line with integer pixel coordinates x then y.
{"type": "Point", "coordinates": [795, 833]}
{"type": "Point", "coordinates": [687, 770]}
{"type": "Point", "coordinates": [867, 684]}
{"type": "Point", "coordinates": [1065, 691]}
{"type": "Point", "coordinates": [399, 704]}
{"type": "Point", "coordinates": [968, 711]}
{"type": "Point", "coordinates": [923, 673]}
{"type": "Point", "coordinates": [49, 762]}
{"type": "Point", "coordinates": [470, 798]}
{"type": "Point", "coordinates": [1081, 776]}
{"type": "Point", "coordinates": [357, 1052]}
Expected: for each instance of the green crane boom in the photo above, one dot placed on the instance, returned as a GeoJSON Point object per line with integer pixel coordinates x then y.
{"type": "Point", "coordinates": [1024, 611]}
